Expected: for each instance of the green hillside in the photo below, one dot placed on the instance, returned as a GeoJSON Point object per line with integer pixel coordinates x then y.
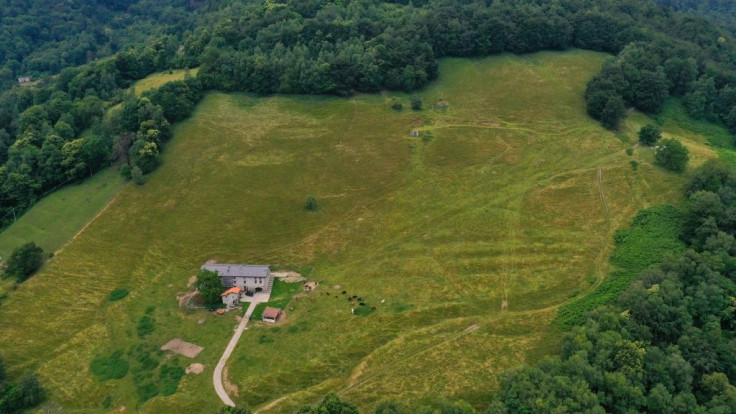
{"type": "Point", "coordinates": [512, 191]}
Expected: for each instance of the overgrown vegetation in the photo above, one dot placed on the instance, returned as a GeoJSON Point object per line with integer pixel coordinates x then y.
{"type": "Point", "coordinates": [111, 367]}
{"type": "Point", "coordinates": [16, 397]}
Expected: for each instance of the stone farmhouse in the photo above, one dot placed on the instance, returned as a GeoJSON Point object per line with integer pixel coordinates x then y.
{"type": "Point", "coordinates": [241, 280]}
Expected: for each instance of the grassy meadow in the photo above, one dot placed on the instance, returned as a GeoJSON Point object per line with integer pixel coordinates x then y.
{"type": "Point", "coordinates": [156, 80]}
{"type": "Point", "coordinates": [511, 192]}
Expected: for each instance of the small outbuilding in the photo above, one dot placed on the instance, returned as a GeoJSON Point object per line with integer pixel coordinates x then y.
{"type": "Point", "coordinates": [271, 314]}
{"type": "Point", "coordinates": [231, 297]}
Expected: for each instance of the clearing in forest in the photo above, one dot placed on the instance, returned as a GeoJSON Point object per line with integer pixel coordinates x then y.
{"type": "Point", "coordinates": [500, 197]}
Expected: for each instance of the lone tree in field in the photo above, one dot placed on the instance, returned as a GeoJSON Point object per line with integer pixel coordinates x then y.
{"type": "Point", "coordinates": [650, 134]}
{"type": "Point", "coordinates": [416, 102]}
{"type": "Point", "coordinates": [672, 155]}
{"type": "Point", "coordinates": [209, 286]}
{"type": "Point", "coordinates": [311, 203]}
{"type": "Point", "coordinates": [24, 261]}
{"type": "Point", "coordinates": [396, 104]}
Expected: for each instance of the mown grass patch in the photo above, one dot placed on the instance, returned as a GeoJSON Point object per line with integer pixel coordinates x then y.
{"type": "Point", "coordinates": [56, 218]}
{"type": "Point", "coordinates": [281, 293]}
{"type": "Point", "coordinates": [155, 80]}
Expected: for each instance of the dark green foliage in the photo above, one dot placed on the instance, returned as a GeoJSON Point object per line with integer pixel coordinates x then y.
{"type": "Point", "coordinates": [629, 151]}
{"type": "Point", "coordinates": [396, 104]}
{"type": "Point", "coordinates": [137, 175]}
{"type": "Point", "coordinates": [146, 390]}
{"type": "Point", "coordinates": [672, 155]}
{"type": "Point", "coordinates": [634, 165]}
{"type": "Point", "coordinates": [170, 375]}
{"type": "Point", "coordinates": [311, 203]}
{"type": "Point", "coordinates": [111, 367]}
{"type": "Point", "coordinates": [233, 410]}
{"type": "Point", "coordinates": [331, 404]}
{"type": "Point", "coordinates": [21, 395]}
{"type": "Point", "coordinates": [613, 112]}
{"type": "Point", "coordinates": [210, 287]}
{"type": "Point", "coordinates": [650, 134]}
{"type": "Point", "coordinates": [145, 325]}
{"type": "Point", "coordinates": [24, 261]}
{"type": "Point", "coordinates": [416, 102]}
{"type": "Point", "coordinates": [117, 294]}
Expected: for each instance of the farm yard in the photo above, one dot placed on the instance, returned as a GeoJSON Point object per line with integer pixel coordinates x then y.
{"type": "Point", "coordinates": [511, 192]}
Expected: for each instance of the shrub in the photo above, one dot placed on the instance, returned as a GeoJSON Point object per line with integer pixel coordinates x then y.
{"type": "Point", "coordinates": [126, 171]}
{"type": "Point", "coordinates": [650, 134]}
{"type": "Point", "coordinates": [311, 203]}
{"type": "Point", "coordinates": [170, 375]}
{"type": "Point", "coordinates": [396, 104]}
{"type": "Point", "coordinates": [117, 294]}
{"type": "Point", "coordinates": [145, 325]}
{"type": "Point", "coordinates": [416, 102]}
{"type": "Point", "coordinates": [137, 175]}
{"type": "Point", "coordinates": [634, 165]}
{"type": "Point", "coordinates": [112, 367]}
{"type": "Point", "coordinates": [629, 151]}
{"type": "Point", "coordinates": [672, 155]}
{"type": "Point", "coordinates": [24, 261]}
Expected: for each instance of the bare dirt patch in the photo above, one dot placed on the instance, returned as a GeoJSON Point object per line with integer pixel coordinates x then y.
{"type": "Point", "coordinates": [195, 368]}
{"type": "Point", "coordinates": [180, 347]}
{"type": "Point", "coordinates": [288, 276]}
{"type": "Point", "coordinates": [192, 280]}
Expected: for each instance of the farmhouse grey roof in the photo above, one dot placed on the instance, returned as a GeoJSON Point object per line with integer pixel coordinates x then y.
{"type": "Point", "coordinates": [225, 270]}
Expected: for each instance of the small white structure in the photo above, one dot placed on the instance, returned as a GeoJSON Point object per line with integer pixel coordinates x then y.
{"type": "Point", "coordinates": [24, 79]}
{"type": "Point", "coordinates": [231, 297]}
{"type": "Point", "coordinates": [270, 314]}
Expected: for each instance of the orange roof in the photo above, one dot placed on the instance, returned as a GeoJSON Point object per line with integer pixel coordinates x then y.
{"type": "Point", "coordinates": [235, 290]}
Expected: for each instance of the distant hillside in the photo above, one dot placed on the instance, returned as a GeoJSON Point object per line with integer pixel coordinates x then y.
{"type": "Point", "coordinates": [45, 36]}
